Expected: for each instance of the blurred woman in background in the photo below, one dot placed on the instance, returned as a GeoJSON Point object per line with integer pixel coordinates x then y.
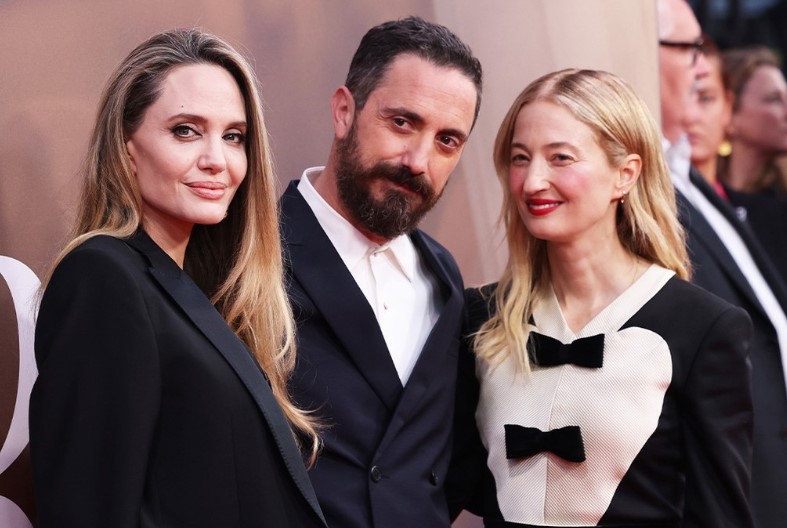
{"type": "Point", "coordinates": [757, 131]}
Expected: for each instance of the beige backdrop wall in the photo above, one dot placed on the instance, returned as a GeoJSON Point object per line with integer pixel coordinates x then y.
{"type": "Point", "coordinates": [55, 56]}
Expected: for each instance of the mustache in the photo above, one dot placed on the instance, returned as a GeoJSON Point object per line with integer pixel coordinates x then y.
{"type": "Point", "coordinates": [403, 176]}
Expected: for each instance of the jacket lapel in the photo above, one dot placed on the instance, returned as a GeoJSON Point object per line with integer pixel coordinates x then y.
{"type": "Point", "coordinates": [208, 320]}
{"type": "Point", "coordinates": [704, 235]}
{"type": "Point", "coordinates": [434, 354]}
{"type": "Point", "coordinates": [319, 270]}
{"type": "Point", "coordinates": [752, 241]}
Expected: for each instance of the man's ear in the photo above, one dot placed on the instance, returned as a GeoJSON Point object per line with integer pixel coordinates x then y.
{"type": "Point", "coordinates": [343, 111]}
{"type": "Point", "coordinates": [628, 174]}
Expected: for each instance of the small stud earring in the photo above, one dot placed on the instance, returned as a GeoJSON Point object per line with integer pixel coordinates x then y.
{"type": "Point", "coordinates": [623, 198]}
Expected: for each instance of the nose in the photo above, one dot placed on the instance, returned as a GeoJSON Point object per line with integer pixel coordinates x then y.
{"type": "Point", "coordinates": [535, 177]}
{"type": "Point", "coordinates": [416, 155]}
{"type": "Point", "coordinates": [212, 158]}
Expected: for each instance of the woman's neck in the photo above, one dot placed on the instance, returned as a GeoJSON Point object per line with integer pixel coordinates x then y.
{"type": "Point", "coordinates": [745, 165]}
{"type": "Point", "coordinates": [708, 168]}
{"type": "Point", "coordinates": [586, 282]}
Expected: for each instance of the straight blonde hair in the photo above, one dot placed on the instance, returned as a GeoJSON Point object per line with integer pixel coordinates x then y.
{"type": "Point", "coordinates": [647, 224]}
{"type": "Point", "coordinates": [238, 262]}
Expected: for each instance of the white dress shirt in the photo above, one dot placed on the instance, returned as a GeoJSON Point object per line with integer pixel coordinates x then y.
{"type": "Point", "coordinates": [679, 161]}
{"type": "Point", "coordinates": [402, 293]}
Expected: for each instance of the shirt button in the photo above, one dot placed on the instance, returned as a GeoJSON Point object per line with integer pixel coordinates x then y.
{"type": "Point", "coordinates": [376, 474]}
{"type": "Point", "coordinates": [433, 478]}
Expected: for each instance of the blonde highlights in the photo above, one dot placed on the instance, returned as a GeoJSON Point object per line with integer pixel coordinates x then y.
{"type": "Point", "coordinates": [238, 262]}
{"type": "Point", "coordinates": [647, 224]}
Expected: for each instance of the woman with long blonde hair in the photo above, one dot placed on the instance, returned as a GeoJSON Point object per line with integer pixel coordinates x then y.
{"type": "Point", "coordinates": [164, 339]}
{"type": "Point", "coordinates": [612, 391]}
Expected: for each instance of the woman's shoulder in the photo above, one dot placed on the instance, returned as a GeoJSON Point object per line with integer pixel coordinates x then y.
{"type": "Point", "coordinates": [480, 304]}
{"type": "Point", "coordinates": [681, 308]}
{"type": "Point", "coordinates": [99, 256]}
{"type": "Point", "coordinates": [690, 296]}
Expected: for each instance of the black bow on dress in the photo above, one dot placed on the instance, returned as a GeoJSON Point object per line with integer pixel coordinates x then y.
{"type": "Point", "coordinates": [586, 352]}
{"type": "Point", "coordinates": [565, 442]}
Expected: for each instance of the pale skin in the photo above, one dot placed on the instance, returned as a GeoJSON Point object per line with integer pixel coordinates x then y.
{"type": "Point", "coordinates": [677, 75]}
{"type": "Point", "coordinates": [419, 116]}
{"type": "Point", "coordinates": [567, 194]}
{"type": "Point", "coordinates": [709, 121]}
{"type": "Point", "coordinates": [758, 129]}
{"type": "Point", "coordinates": [188, 155]}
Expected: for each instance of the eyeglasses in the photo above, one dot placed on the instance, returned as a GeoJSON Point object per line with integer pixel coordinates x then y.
{"type": "Point", "coordinates": [696, 46]}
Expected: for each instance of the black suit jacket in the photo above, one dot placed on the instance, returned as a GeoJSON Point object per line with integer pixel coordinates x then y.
{"type": "Point", "coordinates": [387, 447]}
{"type": "Point", "coordinates": [148, 410]}
{"type": "Point", "coordinates": [716, 271]}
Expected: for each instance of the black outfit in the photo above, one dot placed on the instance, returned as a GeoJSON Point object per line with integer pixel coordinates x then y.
{"type": "Point", "coordinates": [716, 271]}
{"type": "Point", "coordinates": [148, 411]}
{"type": "Point", "coordinates": [664, 415]}
{"type": "Point", "coordinates": [767, 216]}
{"type": "Point", "coordinates": [387, 446]}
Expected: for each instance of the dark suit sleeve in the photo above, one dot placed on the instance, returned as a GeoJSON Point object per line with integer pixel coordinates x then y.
{"type": "Point", "coordinates": [718, 432]}
{"type": "Point", "coordinates": [94, 406]}
{"type": "Point", "coordinates": [468, 461]}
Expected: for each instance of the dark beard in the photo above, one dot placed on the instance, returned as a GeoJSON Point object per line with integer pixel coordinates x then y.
{"type": "Point", "coordinates": [397, 212]}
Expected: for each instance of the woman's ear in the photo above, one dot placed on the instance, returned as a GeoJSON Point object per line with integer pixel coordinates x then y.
{"type": "Point", "coordinates": [130, 153]}
{"type": "Point", "coordinates": [628, 173]}
{"type": "Point", "coordinates": [343, 111]}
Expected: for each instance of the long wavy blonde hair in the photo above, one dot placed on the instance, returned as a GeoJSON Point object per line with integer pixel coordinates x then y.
{"type": "Point", "coordinates": [647, 224]}
{"type": "Point", "coordinates": [238, 262]}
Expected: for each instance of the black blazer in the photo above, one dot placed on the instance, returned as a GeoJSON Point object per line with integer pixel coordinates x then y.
{"type": "Point", "coordinates": [387, 447]}
{"type": "Point", "coordinates": [148, 410]}
{"type": "Point", "coordinates": [767, 216]}
{"type": "Point", "coordinates": [716, 271]}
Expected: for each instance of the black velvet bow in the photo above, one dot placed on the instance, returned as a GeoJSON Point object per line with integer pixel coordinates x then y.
{"type": "Point", "coordinates": [586, 352]}
{"type": "Point", "coordinates": [565, 442]}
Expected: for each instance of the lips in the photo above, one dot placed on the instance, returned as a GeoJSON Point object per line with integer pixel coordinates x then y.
{"type": "Point", "coordinates": [541, 206]}
{"type": "Point", "coordinates": [208, 189]}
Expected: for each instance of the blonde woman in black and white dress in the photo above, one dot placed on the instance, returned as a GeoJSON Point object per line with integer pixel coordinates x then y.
{"type": "Point", "coordinates": [612, 391]}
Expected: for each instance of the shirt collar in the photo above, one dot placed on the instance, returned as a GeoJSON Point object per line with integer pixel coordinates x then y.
{"type": "Point", "coordinates": [678, 156]}
{"type": "Point", "coordinates": [353, 247]}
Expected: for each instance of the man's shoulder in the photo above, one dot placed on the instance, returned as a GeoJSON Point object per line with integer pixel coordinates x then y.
{"type": "Point", "coordinates": [425, 243]}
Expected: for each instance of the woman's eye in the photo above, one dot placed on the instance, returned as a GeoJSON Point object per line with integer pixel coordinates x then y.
{"type": "Point", "coordinates": [562, 158]}
{"type": "Point", "coordinates": [518, 159]}
{"type": "Point", "coordinates": [184, 131]}
{"type": "Point", "coordinates": [235, 137]}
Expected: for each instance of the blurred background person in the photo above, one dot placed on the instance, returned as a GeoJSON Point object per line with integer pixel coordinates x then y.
{"type": "Point", "coordinates": [164, 339]}
{"type": "Point", "coordinates": [711, 153]}
{"type": "Point", "coordinates": [728, 260]}
{"type": "Point", "coordinates": [707, 125]}
{"type": "Point", "coordinates": [758, 128]}
{"type": "Point", "coordinates": [612, 391]}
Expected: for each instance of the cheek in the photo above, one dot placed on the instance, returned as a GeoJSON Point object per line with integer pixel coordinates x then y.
{"type": "Point", "coordinates": [442, 172]}
{"type": "Point", "coordinates": [239, 168]}
{"type": "Point", "coordinates": [516, 180]}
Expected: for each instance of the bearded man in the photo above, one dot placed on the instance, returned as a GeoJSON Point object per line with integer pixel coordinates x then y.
{"type": "Point", "coordinates": [378, 303]}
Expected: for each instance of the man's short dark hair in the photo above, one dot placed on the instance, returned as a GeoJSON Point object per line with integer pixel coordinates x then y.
{"type": "Point", "coordinates": [413, 35]}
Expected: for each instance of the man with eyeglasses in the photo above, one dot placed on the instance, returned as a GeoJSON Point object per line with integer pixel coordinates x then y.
{"type": "Point", "coordinates": [729, 262]}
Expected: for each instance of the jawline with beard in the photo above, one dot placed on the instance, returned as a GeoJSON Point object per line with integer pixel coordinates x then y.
{"type": "Point", "coordinates": [397, 212]}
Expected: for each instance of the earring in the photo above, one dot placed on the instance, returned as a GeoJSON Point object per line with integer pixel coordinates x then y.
{"type": "Point", "coordinates": [226, 213]}
{"type": "Point", "coordinates": [725, 149]}
{"type": "Point", "coordinates": [623, 198]}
